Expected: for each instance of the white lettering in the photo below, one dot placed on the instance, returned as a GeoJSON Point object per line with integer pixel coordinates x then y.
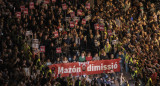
{"type": "Point", "coordinates": [74, 69]}
{"type": "Point", "coordinates": [60, 70]}
{"type": "Point", "coordinates": [104, 67]}
{"type": "Point", "coordinates": [65, 70]}
{"type": "Point", "coordinates": [89, 68]}
{"type": "Point", "coordinates": [97, 68]}
{"type": "Point", "coordinates": [112, 65]}
{"type": "Point", "coordinates": [101, 66]}
{"type": "Point", "coordinates": [78, 69]}
{"type": "Point", "coordinates": [69, 70]}
{"type": "Point", "coordinates": [109, 67]}
{"type": "Point", "coordinates": [115, 65]}
{"type": "Point", "coordinates": [92, 67]}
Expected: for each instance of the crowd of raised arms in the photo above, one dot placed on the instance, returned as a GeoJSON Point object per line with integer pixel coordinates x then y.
{"type": "Point", "coordinates": [130, 31]}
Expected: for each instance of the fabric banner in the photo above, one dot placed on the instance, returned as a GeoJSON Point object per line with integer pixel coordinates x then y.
{"type": "Point", "coordinates": [64, 6]}
{"type": "Point", "coordinates": [88, 5]}
{"type": "Point", "coordinates": [18, 15]}
{"type": "Point", "coordinates": [67, 18]}
{"type": "Point", "coordinates": [46, 1]}
{"type": "Point", "coordinates": [83, 21]}
{"type": "Point", "coordinates": [53, 0]}
{"type": "Point", "coordinates": [96, 26]}
{"type": "Point", "coordinates": [85, 68]}
{"type": "Point", "coordinates": [71, 24]}
{"type": "Point", "coordinates": [55, 34]}
{"type": "Point", "coordinates": [27, 71]}
{"type": "Point", "coordinates": [79, 12]}
{"type": "Point", "coordinates": [58, 50]}
{"type": "Point", "coordinates": [101, 27]}
{"type": "Point", "coordinates": [76, 18]}
{"type": "Point", "coordinates": [25, 11]}
{"type": "Point", "coordinates": [76, 22]}
{"type": "Point", "coordinates": [22, 8]}
{"type": "Point", "coordinates": [109, 32]}
{"type": "Point", "coordinates": [31, 5]}
{"type": "Point", "coordinates": [72, 14]}
{"type": "Point", "coordinates": [42, 48]}
{"type": "Point", "coordinates": [35, 43]}
{"type": "Point", "coordinates": [28, 33]}
{"type": "Point", "coordinates": [88, 17]}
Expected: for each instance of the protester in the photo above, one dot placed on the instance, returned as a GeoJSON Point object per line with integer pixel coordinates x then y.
{"type": "Point", "coordinates": [89, 57]}
{"type": "Point", "coordinates": [96, 57]}
{"type": "Point", "coordinates": [131, 32]}
{"type": "Point", "coordinates": [82, 58]}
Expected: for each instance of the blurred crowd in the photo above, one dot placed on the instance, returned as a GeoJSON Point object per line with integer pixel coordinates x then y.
{"type": "Point", "coordinates": [131, 33]}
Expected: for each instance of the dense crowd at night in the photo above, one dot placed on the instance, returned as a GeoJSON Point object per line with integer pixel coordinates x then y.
{"type": "Point", "coordinates": [130, 31]}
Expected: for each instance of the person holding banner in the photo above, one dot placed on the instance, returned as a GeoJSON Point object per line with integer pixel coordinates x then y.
{"type": "Point", "coordinates": [96, 57]}
{"type": "Point", "coordinates": [111, 26]}
{"type": "Point", "coordinates": [58, 61]}
{"type": "Point", "coordinates": [74, 59]}
{"type": "Point", "coordinates": [65, 60]}
{"type": "Point", "coordinates": [82, 58]}
{"type": "Point", "coordinates": [89, 57]}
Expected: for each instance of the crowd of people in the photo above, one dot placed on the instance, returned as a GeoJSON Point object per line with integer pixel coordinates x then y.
{"type": "Point", "coordinates": [131, 33]}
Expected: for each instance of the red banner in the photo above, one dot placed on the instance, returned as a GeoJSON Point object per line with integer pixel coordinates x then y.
{"type": "Point", "coordinates": [71, 24]}
{"type": "Point", "coordinates": [88, 5]}
{"type": "Point", "coordinates": [53, 0]}
{"type": "Point", "coordinates": [55, 34]}
{"type": "Point", "coordinates": [76, 22]}
{"type": "Point", "coordinates": [18, 15]}
{"type": "Point", "coordinates": [42, 48]}
{"type": "Point", "coordinates": [26, 11]}
{"type": "Point", "coordinates": [31, 5]}
{"type": "Point", "coordinates": [64, 6]}
{"type": "Point", "coordinates": [22, 8]}
{"type": "Point", "coordinates": [46, 1]}
{"type": "Point", "coordinates": [79, 12]}
{"type": "Point", "coordinates": [101, 27]}
{"type": "Point", "coordinates": [109, 32]}
{"type": "Point", "coordinates": [85, 68]}
{"type": "Point", "coordinates": [58, 50]}
{"type": "Point", "coordinates": [96, 26]}
{"type": "Point", "coordinates": [83, 21]}
{"type": "Point", "coordinates": [72, 14]}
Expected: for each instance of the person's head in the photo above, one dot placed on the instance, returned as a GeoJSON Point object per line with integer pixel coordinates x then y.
{"type": "Point", "coordinates": [107, 44]}
{"type": "Point", "coordinates": [59, 9]}
{"type": "Point", "coordinates": [91, 35]}
{"type": "Point", "coordinates": [65, 59]}
{"type": "Point", "coordinates": [90, 31]}
{"type": "Point", "coordinates": [74, 45]}
{"type": "Point", "coordinates": [96, 55]}
{"type": "Point", "coordinates": [52, 44]}
{"type": "Point", "coordinates": [74, 57]}
{"type": "Point", "coordinates": [82, 54]}
{"type": "Point", "coordinates": [133, 55]}
{"type": "Point", "coordinates": [89, 53]}
{"type": "Point", "coordinates": [41, 23]}
{"type": "Point", "coordinates": [65, 44]}
{"type": "Point", "coordinates": [120, 53]}
{"type": "Point", "coordinates": [79, 77]}
{"type": "Point", "coordinates": [115, 48]}
{"type": "Point", "coordinates": [58, 59]}
{"type": "Point", "coordinates": [48, 60]}
{"type": "Point", "coordinates": [112, 56]}
{"type": "Point", "coordinates": [46, 37]}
